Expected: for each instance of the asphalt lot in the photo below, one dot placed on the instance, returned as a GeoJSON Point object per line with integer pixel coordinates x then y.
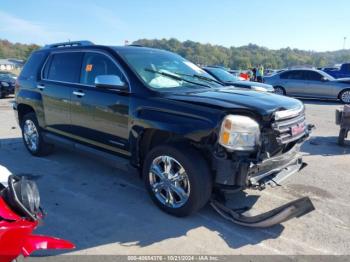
{"type": "Point", "coordinates": [105, 210]}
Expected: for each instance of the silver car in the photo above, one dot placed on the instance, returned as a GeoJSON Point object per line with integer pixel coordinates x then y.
{"type": "Point", "coordinates": [310, 83]}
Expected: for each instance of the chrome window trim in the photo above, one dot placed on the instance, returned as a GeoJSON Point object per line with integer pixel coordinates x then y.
{"type": "Point", "coordinates": [81, 51]}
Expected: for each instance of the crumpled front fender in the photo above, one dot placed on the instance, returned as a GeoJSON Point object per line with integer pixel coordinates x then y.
{"type": "Point", "coordinates": [36, 242]}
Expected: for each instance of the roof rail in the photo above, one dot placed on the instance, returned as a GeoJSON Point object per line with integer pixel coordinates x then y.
{"type": "Point", "coordinates": [136, 45]}
{"type": "Point", "coordinates": [69, 44]}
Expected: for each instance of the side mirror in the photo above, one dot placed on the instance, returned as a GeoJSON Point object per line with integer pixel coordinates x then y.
{"type": "Point", "coordinates": [324, 79]}
{"type": "Point", "coordinates": [110, 82]}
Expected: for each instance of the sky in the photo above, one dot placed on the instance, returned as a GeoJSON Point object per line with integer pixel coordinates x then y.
{"type": "Point", "coordinates": [318, 25]}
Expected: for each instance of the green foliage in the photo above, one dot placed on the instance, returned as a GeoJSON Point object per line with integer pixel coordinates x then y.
{"type": "Point", "coordinates": [16, 50]}
{"type": "Point", "coordinates": [247, 56]}
{"type": "Point", "coordinates": [206, 54]}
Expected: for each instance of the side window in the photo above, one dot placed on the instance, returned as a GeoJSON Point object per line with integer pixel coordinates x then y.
{"type": "Point", "coordinates": [312, 76]}
{"type": "Point", "coordinates": [95, 64]}
{"type": "Point", "coordinates": [32, 67]}
{"type": "Point", "coordinates": [298, 75]}
{"type": "Point", "coordinates": [285, 75]}
{"type": "Point", "coordinates": [64, 67]}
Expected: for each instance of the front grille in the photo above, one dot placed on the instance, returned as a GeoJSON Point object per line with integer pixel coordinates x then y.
{"type": "Point", "coordinates": [290, 129]}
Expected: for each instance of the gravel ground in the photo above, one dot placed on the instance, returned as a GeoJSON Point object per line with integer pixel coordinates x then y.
{"type": "Point", "coordinates": [105, 210]}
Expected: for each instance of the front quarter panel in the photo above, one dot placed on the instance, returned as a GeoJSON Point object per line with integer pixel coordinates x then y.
{"type": "Point", "coordinates": [187, 120]}
{"type": "Point", "coordinates": [182, 120]}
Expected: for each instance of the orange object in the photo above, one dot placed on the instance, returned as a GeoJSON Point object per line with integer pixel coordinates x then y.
{"type": "Point", "coordinates": [225, 138]}
{"type": "Point", "coordinates": [88, 68]}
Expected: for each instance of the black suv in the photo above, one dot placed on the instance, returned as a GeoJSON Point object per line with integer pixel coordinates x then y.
{"type": "Point", "coordinates": [187, 133]}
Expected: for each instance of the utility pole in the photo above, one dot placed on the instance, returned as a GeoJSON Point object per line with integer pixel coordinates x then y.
{"type": "Point", "coordinates": [344, 43]}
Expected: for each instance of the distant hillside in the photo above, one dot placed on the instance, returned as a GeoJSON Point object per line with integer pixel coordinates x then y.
{"type": "Point", "coordinates": [15, 50]}
{"type": "Point", "coordinates": [206, 54]}
{"type": "Point", "coordinates": [247, 56]}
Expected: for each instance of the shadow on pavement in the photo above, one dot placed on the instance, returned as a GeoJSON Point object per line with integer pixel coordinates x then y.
{"type": "Point", "coordinates": [92, 204]}
{"type": "Point", "coordinates": [325, 146]}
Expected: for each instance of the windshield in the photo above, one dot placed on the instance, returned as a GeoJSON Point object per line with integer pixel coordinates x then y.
{"type": "Point", "coordinates": [222, 74]}
{"type": "Point", "coordinates": [163, 70]}
{"type": "Point", "coordinates": [326, 75]}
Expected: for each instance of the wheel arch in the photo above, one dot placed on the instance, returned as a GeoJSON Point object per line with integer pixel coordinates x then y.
{"type": "Point", "coordinates": [22, 110]}
{"type": "Point", "coordinates": [343, 90]}
{"type": "Point", "coordinates": [280, 86]}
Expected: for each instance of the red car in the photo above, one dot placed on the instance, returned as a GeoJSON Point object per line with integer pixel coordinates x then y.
{"type": "Point", "coordinates": [20, 214]}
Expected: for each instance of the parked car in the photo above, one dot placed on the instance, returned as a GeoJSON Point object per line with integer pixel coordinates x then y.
{"type": "Point", "coordinates": [164, 115]}
{"type": "Point", "coordinates": [11, 75]}
{"type": "Point", "coordinates": [20, 214]}
{"type": "Point", "coordinates": [310, 83]}
{"type": "Point", "coordinates": [7, 85]}
{"type": "Point", "coordinates": [342, 72]}
{"type": "Point", "coordinates": [230, 80]}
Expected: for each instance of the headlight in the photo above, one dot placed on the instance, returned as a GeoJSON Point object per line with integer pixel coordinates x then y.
{"type": "Point", "coordinates": [23, 196]}
{"type": "Point", "coordinates": [259, 88]}
{"type": "Point", "coordinates": [239, 133]}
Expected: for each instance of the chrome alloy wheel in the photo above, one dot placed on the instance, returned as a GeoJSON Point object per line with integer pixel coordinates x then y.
{"type": "Point", "coordinates": [169, 181]}
{"type": "Point", "coordinates": [31, 135]}
{"type": "Point", "coordinates": [345, 97]}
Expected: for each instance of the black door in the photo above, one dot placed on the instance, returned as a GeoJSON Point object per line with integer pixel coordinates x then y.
{"type": "Point", "coordinates": [61, 73]}
{"type": "Point", "coordinates": [100, 116]}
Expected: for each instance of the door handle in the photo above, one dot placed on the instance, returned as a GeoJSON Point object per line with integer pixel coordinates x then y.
{"type": "Point", "coordinates": [79, 93]}
{"type": "Point", "coordinates": [40, 87]}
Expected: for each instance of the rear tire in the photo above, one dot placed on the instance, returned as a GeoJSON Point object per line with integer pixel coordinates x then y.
{"type": "Point", "coordinates": [279, 90]}
{"type": "Point", "coordinates": [196, 184]}
{"type": "Point", "coordinates": [344, 96]}
{"type": "Point", "coordinates": [32, 136]}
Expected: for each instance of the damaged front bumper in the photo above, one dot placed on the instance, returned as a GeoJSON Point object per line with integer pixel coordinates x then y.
{"type": "Point", "coordinates": [244, 173]}
{"type": "Point", "coordinates": [272, 171]}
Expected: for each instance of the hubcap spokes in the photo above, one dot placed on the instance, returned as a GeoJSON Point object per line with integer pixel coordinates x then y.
{"type": "Point", "coordinates": [346, 97]}
{"type": "Point", "coordinates": [169, 181]}
{"type": "Point", "coordinates": [31, 135]}
{"type": "Point", "coordinates": [278, 91]}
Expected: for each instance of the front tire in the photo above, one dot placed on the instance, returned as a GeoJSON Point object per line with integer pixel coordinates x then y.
{"type": "Point", "coordinates": [177, 178]}
{"type": "Point", "coordinates": [32, 136]}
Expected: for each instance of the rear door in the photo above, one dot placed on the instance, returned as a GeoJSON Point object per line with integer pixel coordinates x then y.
{"type": "Point", "coordinates": [60, 75]}
{"type": "Point", "coordinates": [100, 116]}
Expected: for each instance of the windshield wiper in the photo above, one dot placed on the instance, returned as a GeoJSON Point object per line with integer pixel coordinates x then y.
{"type": "Point", "coordinates": [174, 77]}
{"type": "Point", "coordinates": [208, 79]}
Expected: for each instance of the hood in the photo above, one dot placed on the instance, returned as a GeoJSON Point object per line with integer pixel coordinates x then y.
{"type": "Point", "coordinates": [342, 80]}
{"type": "Point", "coordinates": [251, 84]}
{"type": "Point", "coordinates": [262, 103]}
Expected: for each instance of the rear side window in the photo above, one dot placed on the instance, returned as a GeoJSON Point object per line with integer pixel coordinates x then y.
{"type": "Point", "coordinates": [285, 75]}
{"type": "Point", "coordinates": [32, 67]}
{"type": "Point", "coordinates": [297, 75]}
{"type": "Point", "coordinates": [95, 64]}
{"type": "Point", "coordinates": [64, 67]}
